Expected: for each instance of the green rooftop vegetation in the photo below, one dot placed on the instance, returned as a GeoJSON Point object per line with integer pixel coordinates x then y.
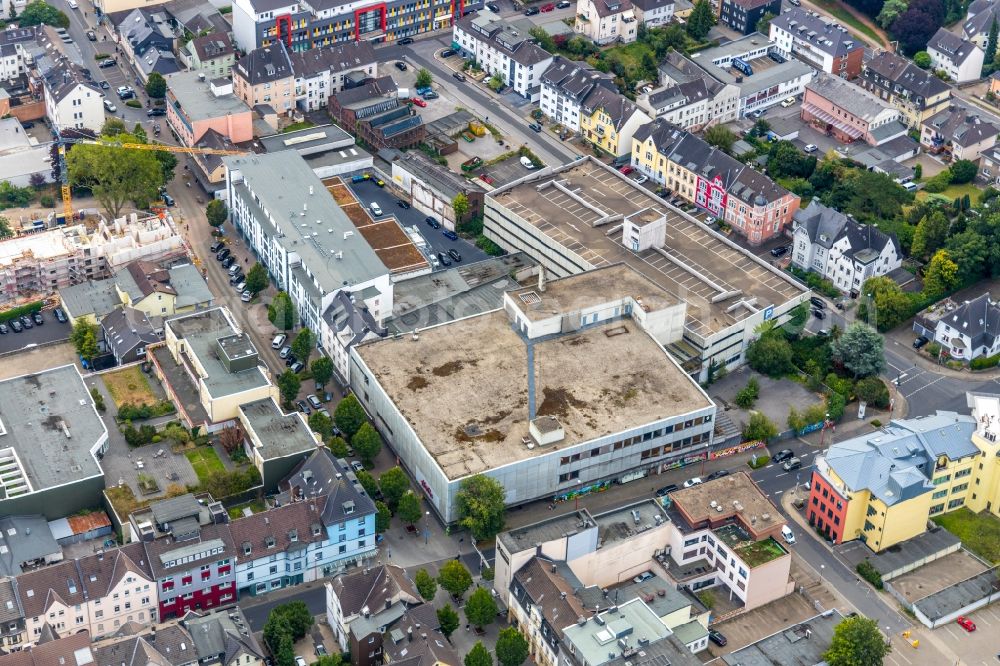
{"type": "Point", "coordinates": [756, 553]}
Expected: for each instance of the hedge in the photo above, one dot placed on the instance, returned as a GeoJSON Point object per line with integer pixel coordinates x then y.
{"type": "Point", "coordinates": [984, 362]}
{"type": "Point", "coordinates": [15, 313]}
{"type": "Point", "coordinates": [129, 412]}
{"type": "Point", "coordinates": [868, 572]}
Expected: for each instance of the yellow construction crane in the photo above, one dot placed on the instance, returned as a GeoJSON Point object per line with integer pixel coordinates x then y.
{"type": "Point", "coordinates": [63, 142]}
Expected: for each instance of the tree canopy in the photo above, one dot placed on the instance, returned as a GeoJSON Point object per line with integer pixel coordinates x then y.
{"type": "Point", "coordinates": [393, 483]}
{"type": "Point", "coordinates": [454, 578]}
{"type": "Point", "coordinates": [322, 369]}
{"type": "Point", "coordinates": [257, 279]}
{"type": "Point", "coordinates": [383, 517]}
{"type": "Point", "coordinates": [857, 641]}
{"type": "Point", "coordinates": [860, 349]}
{"type": "Point", "coordinates": [281, 311]}
{"type": "Point", "coordinates": [114, 175]}
{"type": "Point", "coordinates": [303, 345]}
{"type": "Point", "coordinates": [156, 86]}
{"type": "Point", "coordinates": [216, 212]}
{"type": "Point", "coordinates": [478, 656]}
{"type": "Point", "coordinates": [771, 355]}
{"type": "Point", "coordinates": [480, 609]}
{"type": "Point", "coordinates": [721, 137]}
{"type": "Point", "coordinates": [481, 501]}
{"type": "Point", "coordinates": [39, 12]}
{"type": "Point", "coordinates": [289, 385]}
{"type": "Point", "coordinates": [367, 443]}
{"type": "Point", "coordinates": [759, 428]}
{"type": "Point", "coordinates": [424, 78]}
{"type": "Point", "coordinates": [426, 585]}
{"type": "Point", "coordinates": [448, 619]}
{"type": "Point", "coordinates": [512, 648]}
{"type": "Point", "coordinates": [349, 415]}
{"type": "Point", "coordinates": [409, 508]}
{"type": "Point", "coordinates": [701, 20]}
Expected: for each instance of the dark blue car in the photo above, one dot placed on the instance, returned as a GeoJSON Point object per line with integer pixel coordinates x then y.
{"type": "Point", "coordinates": [450, 235]}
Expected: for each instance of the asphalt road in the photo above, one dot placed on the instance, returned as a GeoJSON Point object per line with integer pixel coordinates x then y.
{"type": "Point", "coordinates": [386, 198]}
{"type": "Point", "coordinates": [926, 391]}
{"type": "Point", "coordinates": [256, 614]}
{"type": "Point", "coordinates": [50, 331]}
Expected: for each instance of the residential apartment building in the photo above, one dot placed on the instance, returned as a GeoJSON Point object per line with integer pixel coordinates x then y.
{"type": "Point", "coordinates": [16, 47]}
{"type": "Point", "coordinates": [850, 113]}
{"type": "Point", "coordinates": [965, 331]}
{"type": "Point", "coordinates": [989, 165]}
{"type": "Point", "coordinates": [377, 115]}
{"type": "Point", "coordinates": [652, 13]}
{"type": "Point", "coordinates": [749, 64]}
{"type": "Point", "coordinates": [747, 200]}
{"type": "Point", "coordinates": [918, 94]}
{"type": "Point", "coordinates": [565, 86]}
{"type": "Point", "coordinates": [979, 19]}
{"type": "Point", "coordinates": [99, 594]}
{"type": "Point", "coordinates": [589, 453]}
{"type": "Point", "coordinates": [323, 71]}
{"type": "Point", "coordinates": [691, 105]}
{"type": "Point", "coordinates": [264, 76]}
{"type": "Point", "coordinates": [13, 632]}
{"type": "Point", "coordinates": [126, 334]}
{"type": "Point", "coordinates": [744, 15]}
{"type": "Point", "coordinates": [606, 21]}
{"type": "Point", "coordinates": [356, 598]}
{"type": "Point", "coordinates": [147, 39]}
{"type": "Point", "coordinates": [303, 26]}
{"type": "Point", "coordinates": [208, 356]}
{"type": "Point", "coordinates": [818, 40]}
{"type": "Point", "coordinates": [609, 120]}
{"type": "Point", "coordinates": [843, 251]}
{"type": "Point", "coordinates": [882, 487]}
{"type": "Point", "coordinates": [411, 636]}
{"type": "Point", "coordinates": [46, 261]}
{"type": "Point", "coordinates": [502, 49]}
{"type": "Point", "coordinates": [72, 101]}
{"type": "Point", "coordinates": [196, 105]}
{"type": "Point", "coordinates": [959, 58]}
{"type": "Point", "coordinates": [213, 55]}
{"type": "Point", "coordinates": [311, 249]}
{"type": "Point", "coordinates": [959, 132]}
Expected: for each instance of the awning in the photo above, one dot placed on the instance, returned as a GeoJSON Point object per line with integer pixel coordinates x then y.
{"type": "Point", "coordinates": [830, 119]}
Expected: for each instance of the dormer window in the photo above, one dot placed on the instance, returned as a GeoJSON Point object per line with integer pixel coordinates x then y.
{"type": "Point", "coordinates": [293, 535]}
{"type": "Point", "coordinates": [269, 542]}
{"type": "Point", "coordinates": [247, 548]}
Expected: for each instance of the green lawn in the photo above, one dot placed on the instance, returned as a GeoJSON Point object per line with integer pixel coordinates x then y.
{"type": "Point", "coordinates": [835, 9]}
{"type": "Point", "coordinates": [236, 512]}
{"type": "Point", "coordinates": [205, 462]}
{"type": "Point", "coordinates": [301, 125]}
{"type": "Point", "coordinates": [953, 192]}
{"type": "Point", "coordinates": [979, 532]}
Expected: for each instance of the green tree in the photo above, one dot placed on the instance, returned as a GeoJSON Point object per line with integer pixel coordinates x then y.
{"type": "Point", "coordinates": [38, 12]}
{"type": "Point", "coordinates": [383, 517]}
{"type": "Point", "coordinates": [543, 39]}
{"type": "Point", "coordinates": [478, 656]}
{"type": "Point", "coordinates": [747, 396]}
{"type": "Point", "coordinates": [281, 311]}
{"type": "Point", "coordinates": [367, 482]}
{"type": "Point", "coordinates": [88, 348]}
{"type": "Point", "coordinates": [873, 391]}
{"type": "Point", "coordinates": [857, 641]}
{"type": "Point", "coordinates": [257, 279]}
{"type": "Point", "coordinates": [156, 86]}
{"type": "Point", "coordinates": [759, 428]}
{"type": "Point", "coordinates": [721, 137]}
{"type": "Point", "coordinates": [481, 502]}
{"type": "Point", "coordinates": [922, 59]}
{"type": "Point", "coordinates": [288, 385]}
{"type": "Point", "coordinates": [115, 176]}
{"type": "Point", "coordinates": [785, 160]}
{"type": "Point", "coordinates": [991, 46]}
{"type": "Point", "coordinates": [424, 78]}
{"type": "Point", "coordinates": [963, 171]}
{"type": "Point", "coordinates": [940, 276]}
{"type": "Point", "coordinates": [448, 620]}
{"type": "Point", "coordinates": [329, 660]}
{"type": "Point", "coordinates": [764, 23]}
{"type": "Point", "coordinates": [367, 443]}
{"type": "Point", "coordinates": [349, 415]}
{"type": "Point", "coordinates": [970, 252]}
{"type": "Point", "coordinates": [701, 20]}
{"type": "Point", "coordinates": [860, 349]}
{"type": "Point", "coordinates": [338, 447]}
{"type": "Point", "coordinates": [891, 304]}
{"type": "Point", "coordinates": [770, 355]}
{"type": "Point", "coordinates": [409, 509]}
{"type": "Point", "coordinates": [426, 585]}
{"type": "Point", "coordinates": [480, 609]}
{"type": "Point", "coordinates": [321, 423]}
{"type": "Point", "coordinates": [930, 235]}
{"type": "Point", "coordinates": [891, 9]}
{"type": "Point", "coordinates": [303, 345]}
{"type": "Point", "coordinates": [460, 204]}
{"type": "Point", "coordinates": [5, 227]}
{"type": "Point", "coordinates": [454, 578]}
{"type": "Point", "coordinates": [393, 483]}
{"type": "Point", "coordinates": [284, 654]}
{"type": "Point", "coordinates": [322, 369]}
{"type": "Point", "coordinates": [82, 329]}
{"type": "Point", "coordinates": [512, 648]}
{"type": "Point", "coordinates": [216, 212]}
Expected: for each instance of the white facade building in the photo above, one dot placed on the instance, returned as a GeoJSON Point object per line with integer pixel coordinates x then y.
{"type": "Point", "coordinates": [652, 13]}
{"type": "Point", "coordinates": [691, 105]}
{"type": "Point", "coordinates": [565, 86]}
{"type": "Point", "coordinates": [606, 21]}
{"type": "Point", "coordinates": [321, 72]}
{"type": "Point", "coordinates": [846, 253]}
{"type": "Point", "coordinates": [502, 49]}
{"type": "Point", "coordinates": [959, 58]}
{"type": "Point", "coordinates": [71, 101]}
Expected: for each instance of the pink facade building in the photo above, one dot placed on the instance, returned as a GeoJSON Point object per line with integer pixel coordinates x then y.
{"type": "Point", "coordinates": [850, 113]}
{"type": "Point", "coordinates": [196, 105]}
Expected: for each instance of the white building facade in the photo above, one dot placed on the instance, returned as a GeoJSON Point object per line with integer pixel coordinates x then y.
{"type": "Point", "coordinates": [501, 49]}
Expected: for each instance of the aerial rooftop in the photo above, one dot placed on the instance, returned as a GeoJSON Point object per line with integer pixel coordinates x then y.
{"type": "Point", "coordinates": [736, 494]}
{"type": "Point", "coordinates": [200, 99]}
{"type": "Point", "coordinates": [523, 538]}
{"type": "Point", "coordinates": [717, 266]}
{"type": "Point", "coordinates": [620, 524]}
{"type": "Point", "coordinates": [469, 403]}
{"type": "Point", "coordinates": [49, 431]}
{"type": "Point", "coordinates": [277, 434]}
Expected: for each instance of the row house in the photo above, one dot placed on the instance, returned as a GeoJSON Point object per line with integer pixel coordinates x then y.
{"type": "Point", "coordinates": [359, 596]}
{"type": "Point", "coordinates": [566, 84]}
{"type": "Point", "coordinates": [609, 120]}
{"type": "Point", "coordinates": [818, 40]}
{"type": "Point", "coordinates": [13, 630]}
{"type": "Point", "coordinates": [213, 55]}
{"type": "Point", "coordinates": [691, 105]}
{"type": "Point", "coordinates": [324, 71]}
{"type": "Point", "coordinates": [99, 593]}
{"type": "Point", "coordinates": [959, 132]}
{"type": "Point", "coordinates": [502, 49]}
{"type": "Point", "coordinates": [918, 94]}
{"type": "Point", "coordinates": [747, 200]}
{"type": "Point", "coordinates": [264, 76]}
{"type": "Point", "coordinates": [72, 101]}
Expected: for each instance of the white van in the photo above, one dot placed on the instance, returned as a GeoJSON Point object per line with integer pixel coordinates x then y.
{"type": "Point", "coordinates": [910, 186]}
{"type": "Point", "coordinates": [527, 163]}
{"type": "Point", "coordinates": [375, 209]}
{"type": "Point", "coordinates": [787, 535]}
{"type": "Point", "coordinates": [73, 5]}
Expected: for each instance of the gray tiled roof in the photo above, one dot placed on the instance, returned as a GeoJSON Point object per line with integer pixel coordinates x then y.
{"type": "Point", "coordinates": [503, 37]}
{"type": "Point", "coordinates": [897, 70]}
{"type": "Point", "coordinates": [190, 286]}
{"type": "Point", "coordinates": [265, 64]}
{"type": "Point", "coordinates": [323, 474]}
{"type": "Point", "coordinates": [24, 539]}
{"type": "Point", "coordinates": [819, 31]}
{"type": "Point", "coordinates": [372, 587]}
{"type": "Point", "coordinates": [850, 97]}
{"type": "Point", "coordinates": [337, 58]}
{"type": "Point", "coordinates": [950, 45]}
{"type": "Point", "coordinates": [963, 125]}
{"type": "Point", "coordinates": [127, 328]}
{"type": "Point", "coordinates": [574, 79]}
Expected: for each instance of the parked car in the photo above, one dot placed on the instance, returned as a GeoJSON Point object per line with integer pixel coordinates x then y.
{"type": "Point", "coordinates": [447, 53]}
{"type": "Point", "coordinates": [794, 463]}
{"type": "Point", "coordinates": [416, 101]}
{"type": "Point", "coordinates": [788, 535]}
{"type": "Point", "coordinates": [693, 482]}
{"type": "Point", "coordinates": [779, 251]}
{"type": "Point", "coordinates": [299, 661]}
{"type": "Point", "coordinates": [314, 401]}
{"type": "Point", "coordinates": [641, 179]}
{"type": "Point", "coordinates": [548, 8]}
{"type": "Point", "coordinates": [155, 111]}
{"type": "Point", "coordinates": [216, 246]}
{"type": "Point", "coordinates": [535, 127]}
{"type": "Point", "coordinates": [405, 40]}
{"type": "Point", "coordinates": [15, 326]}
{"type": "Point", "coordinates": [110, 107]}
{"type": "Point", "coordinates": [375, 209]}
{"type": "Point", "coordinates": [107, 62]}
{"type": "Point", "coordinates": [430, 94]}
{"type": "Point", "coordinates": [819, 314]}
{"type": "Point", "coordinates": [278, 341]}
{"type": "Point", "coordinates": [493, 7]}
{"type": "Point", "coordinates": [966, 623]}
{"type": "Point", "coordinates": [401, 66]}
{"type": "Point", "coordinates": [782, 455]}
{"type": "Point", "coordinates": [167, 199]}
{"type": "Point", "coordinates": [320, 650]}
{"type": "Point", "coordinates": [3, 329]}
{"type": "Point", "coordinates": [459, 76]}
{"type": "Point", "coordinates": [104, 85]}
{"type": "Point", "coordinates": [91, 36]}
{"type": "Point", "coordinates": [666, 490]}
{"type": "Point", "coordinates": [402, 204]}
{"type": "Point", "coordinates": [626, 170]}
{"type": "Point", "coordinates": [788, 102]}
{"type": "Point", "coordinates": [717, 638]}
{"type": "Point", "coordinates": [298, 367]}
{"type": "Point", "coordinates": [449, 234]}
{"type": "Point", "coordinates": [39, 320]}
{"type": "Point", "coordinates": [443, 258]}
{"type": "Point", "coordinates": [242, 284]}
{"type": "Point", "coordinates": [453, 253]}
{"type": "Point", "coordinates": [26, 321]}
{"type": "Point", "coordinates": [434, 224]}
{"type": "Point", "coordinates": [531, 11]}
{"type": "Point", "coordinates": [920, 341]}
{"type": "Point", "coordinates": [717, 474]}
{"type": "Point", "coordinates": [563, 4]}
{"type": "Point", "coordinates": [60, 315]}
{"type": "Point", "coordinates": [357, 466]}
{"type": "Point", "coordinates": [246, 296]}
{"type": "Point", "coordinates": [817, 302]}
{"type": "Point", "coordinates": [644, 576]}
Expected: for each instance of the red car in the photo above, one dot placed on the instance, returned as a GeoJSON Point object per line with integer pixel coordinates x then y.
{"type": "Point", "coordinates": [626, 170]}
{"type": "Point", "coordinates": [966, 624]}
{"type": "Point", "coordinates": [549, 7]}
{"type": "Point", "coordinates": [418, 102]}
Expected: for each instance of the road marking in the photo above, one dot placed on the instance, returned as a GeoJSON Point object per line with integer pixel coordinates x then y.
{"type": "Point", "coordinates": [778, 492]}
{"type": "Point", "coordinates": [909, 395]}
{"type": "Point", "coordinates": [805, 455]}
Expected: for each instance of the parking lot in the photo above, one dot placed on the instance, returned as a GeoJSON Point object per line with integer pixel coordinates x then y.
{"type": "Point", "coordinates": [978, 648]}
{"type": "Point", "coordinates": [50, 331]}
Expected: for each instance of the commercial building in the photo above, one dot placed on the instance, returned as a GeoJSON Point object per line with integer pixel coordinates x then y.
{"type": "Point", "coordinates": [751, 64]}
{"type": "Point", "coordinates": [501, 48]}
{"type": "Point", "coordinates": [561, 218]}
{"type": "Point", "coordinates": [303, 26]}
{"type": "Point", "coordinates": [744, 15]}
{"type": "Point", "coordinates": [431, 649]}
{"type": "Point", "coordinates": [309, 246]}
{"type": "Point", "coordinates": [197, 104]}
{"type": "Point", "coordinates": [213, 55]}
{"type": "Point", "coordinates": [210, 367]}
{"type": "Point", "coordinates": [264, 76]}
{"type": "Point", "coordinates": [275, 442]}
{"type": "Point", "coordinates": [378, 116]}
{"type": "Point", "coordinates": [618, 319]}
{"type": "Point", "coordinates": [606, 21]}
{"type": "Point", "coordinates": [22, 158]}
{"type": "Point", "coordinates": [804, 642]}
{"type": "Point", "coordinates": [565, 85]}
{"type": "Point", "coordinates": [842, 250]}
{"type": "Point", "coordinates": [433, 187]}
{"type": "Point", "coordinates": [882, 487]}
{"type": "Point", "coordinates": [752, 204]}
{"type": "Point", "coordinates": [46, 261]}
{"type": "Point", "coordinates": [51, 444]}
{"type": "Point", "coordinates": [609, 120]}
{"type": "Point", "coordinates": [72, 101]}
{"type": "Point", "coordinates": [323, 71]}
{"type": "Point", "coordinates": [850, 113]}
{"type": "Point", "coordinates": [965, 331]}
{"type": "Point", "coordinates": [918, 94]}
{"type": "Point", "coordinates": [959, 58]}
{"type": "Point", "coordinates": [959, 132]}
{"type": "Point", "coordinates": [817, 40]}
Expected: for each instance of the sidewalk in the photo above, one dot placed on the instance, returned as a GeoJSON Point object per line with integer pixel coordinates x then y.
{"type": "Point", "coordinates": [851, 426]}
{"type": "Point", "coordinates": [903, 337]}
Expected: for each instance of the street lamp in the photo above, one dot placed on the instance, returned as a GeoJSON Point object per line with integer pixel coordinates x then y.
{"type": "Point", "coordinates": [578, 482]}
{"type": "Point", "coordinates": [427, 529]}
{"type": "Point", "coordinates": [822, 432]}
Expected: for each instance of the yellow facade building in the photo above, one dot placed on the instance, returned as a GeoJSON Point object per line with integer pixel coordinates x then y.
{"type": "Point", "coordinates": [609, 120]}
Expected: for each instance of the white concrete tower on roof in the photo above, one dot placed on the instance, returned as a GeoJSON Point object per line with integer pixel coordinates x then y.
{"type": "Point", "coordinates": [308, 244]}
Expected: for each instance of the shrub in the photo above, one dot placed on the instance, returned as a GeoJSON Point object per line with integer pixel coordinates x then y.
{"type": "Point", "coordinates": [98, 399]}
{"type": "Point", "coordinates": [133, 104]}
{"type": "Point", "coordinates": [873, 391]}
{"type": "Point", "coordinates": [868, 572]}
{"type": "Point", "coordinates": [938, 183]}
{"type": "Point", "coordinates": [130, 412]}
{"type": "Point", "coordinates": [760, 462]}
{"type": "Point", "coordinates": [842, 385]}
{"type": "Point", "coordinates": [876, 423]}
{"type": "Point", "coordinates": [47, 201]}
{"type": "Point", "coordinates": [984, 362]}
{"type": "Point", "coordinates": [101, 56]}
{"type": "Point", "coordinates": [933, 349]}
{"type": "Point", "coordinates": [748, 395]}
{"type": "Point", "coordinates": [15, 313]}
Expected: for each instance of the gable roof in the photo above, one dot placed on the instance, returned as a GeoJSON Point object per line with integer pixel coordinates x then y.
{"type": "Point", "coordinates": [951, 46]}
{"type": "Point", "coordinates": [504, 37]}
{"type": "Point", "coordinates": [550, 592]}
{"type": "Point", "coordinates": [618, 107]}
{"type": "Point", "coordinates": [128, 328]}
{"type": "Point", "coordinates": [321, 473]}
{"type": "Point", "coordinates": [574, 79]}
{"type": "Point", "coordinates": [371, 588]}
{"type": "Point", "coordinates": [899, 71]}
{"type": "Point", "coordinates": [52, 650]}
{"type": "Point", "coordinates": [820, 32]}
{"type": "Point", "coordinates": [338, 58]}
{"type": "Point", "coordinates": [963, 125]}
{"type": "Point", "coordinates": [979, 319]}
{"type": "Point", "coordinates": [270, 532]}
{"type": "Point", "coordinates": [605, 8]}
{"type": "Point", "coordinates": [64, 78]}
{"type": "Point", "coordinates": [215, 45]}
{"type": "Point", "coordinates": [265, 64]}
